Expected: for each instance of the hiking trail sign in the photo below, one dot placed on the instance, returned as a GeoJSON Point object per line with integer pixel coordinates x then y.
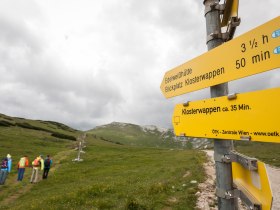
{"type": "Point", "coordinates": [253, 184]}
{"type": "Point", "coordinates": [231, 10]}
{"type": "Point", "coordinates": [253, 52]}
{"type": "Point", "coordinates": [251, 116]}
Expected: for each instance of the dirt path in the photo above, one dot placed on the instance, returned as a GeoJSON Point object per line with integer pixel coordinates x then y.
{"type": "Point", "coordinates": [207, 189]}
{"type": "Point", "coordinates": [14, 189]}
{"type": "Point", "coordinates": [23, 188]}
{"type": "Point", "coordinates": [206, 195]}
{"type": "Point", "coordinates": [274, 177]}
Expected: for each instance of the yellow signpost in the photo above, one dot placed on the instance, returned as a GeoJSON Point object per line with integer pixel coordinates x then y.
{"type": "Point", "coordinates": [254, 184]}
{"type": "Point", "coordinates": [253, 52]}
{"type": "Point", "coordinates": [231, 10]}
{"type": "Point", "coordinates": [251, 116]}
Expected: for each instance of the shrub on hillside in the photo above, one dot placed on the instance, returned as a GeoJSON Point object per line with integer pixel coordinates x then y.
{"type": "Point", "coordinates": [62, 126]}
{"type": "Point", "coordinates": [6, 123]}
{"type": "Point", "coordinates": [64, 136]}
{"type": "Point", "coordinates": [114, 142]}
{"type": "Point", "coordinates": [28, 126]}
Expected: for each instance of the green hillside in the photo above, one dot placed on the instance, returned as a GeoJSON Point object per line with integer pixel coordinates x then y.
{"type": "Point", "coordinates": [118, 177]}
{"type": "Point", "coordinates": [55, 129]}
{"type": "Point", "coordinates": [112, 176]}
{"type": "Point", "coordinates": [135, 135]}
{"type": "Point", "coordinates": [20, 137]}
{"type": "Point", "coordinates": [125, 167]}
{"type": "Point", "coordinates": [267, 152]}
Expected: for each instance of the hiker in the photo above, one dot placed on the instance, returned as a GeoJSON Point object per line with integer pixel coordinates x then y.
{"type": "Point", "coordinates": [22, 164]}
{"type": "Point", "coordinates": [5, 168]}
{"type": "Point", "coordinates": [38, 164]}
{"type": "Point", "coordinates": [47, 166]}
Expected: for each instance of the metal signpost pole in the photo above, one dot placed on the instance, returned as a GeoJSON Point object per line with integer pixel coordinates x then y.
{"type": "Point", "coordinates": [221, 147]}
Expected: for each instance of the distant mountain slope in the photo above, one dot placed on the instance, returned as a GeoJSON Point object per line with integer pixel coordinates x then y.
{"type": "Point", "coordinates": [130, 134]}
{"type": "Point", "coordinates": [150, 136]}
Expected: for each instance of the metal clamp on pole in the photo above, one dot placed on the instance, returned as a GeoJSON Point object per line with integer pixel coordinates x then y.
{"type": "Point", "coordinates": [216, 35]}
{"type": "Point", "coordinates": [234, 22]}
{"type": "Point", "coordinates": [222, 158]}
{"type": "Point", "coordinates": [221, 193]}
{"type": "Point", "coordinates": [215, 6]}
{"type": "Point", "coordinates": [249, 201]}
{"type": "Point", "coordinates": [247, 162]}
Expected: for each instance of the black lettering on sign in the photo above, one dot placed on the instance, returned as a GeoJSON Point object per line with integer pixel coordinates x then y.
{"type": "Point", "coordinates": [173, 87]}
{"type": "Point", "coordinates": [206, 111]}
{"type": "Point", "coordinates": [207, 76]}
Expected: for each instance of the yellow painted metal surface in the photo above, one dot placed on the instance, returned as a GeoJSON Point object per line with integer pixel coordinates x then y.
{"type": "Point", "coordinates": [253, 52]}
{"type": "Point", "coordinates": [231, 10]}
{"type": "Point", "coordinates": [254, 184]}
{"type": "Point", "coordinates": [254, 115]}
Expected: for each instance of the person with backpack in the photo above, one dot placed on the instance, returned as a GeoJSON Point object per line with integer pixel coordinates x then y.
{"type": "Point", "coordinates": [6, 166]}
{"type": "Point", "coordinates": [42, 162]}
{"type": "Point", "coordinates": [22, 164]}
{"type": "Point", "coordinates": [47, 166]}
{"type": "Point", "coordinates": [38, 164]}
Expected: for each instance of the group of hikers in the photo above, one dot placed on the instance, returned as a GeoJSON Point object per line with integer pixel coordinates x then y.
{"type": "Point", "coordinates": [39, 164]}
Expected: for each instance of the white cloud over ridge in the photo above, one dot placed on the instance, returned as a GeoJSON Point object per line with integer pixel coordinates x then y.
{"type": "Point", "coordinates": [87, 63]}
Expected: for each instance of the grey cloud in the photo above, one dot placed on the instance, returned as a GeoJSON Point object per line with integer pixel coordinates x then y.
{"type": "Point", "coordinates": [136, 43]}
{"type": "Point", "coordinates": [15, 34]}
{"type": "Point", "coordinates": [39, 86]}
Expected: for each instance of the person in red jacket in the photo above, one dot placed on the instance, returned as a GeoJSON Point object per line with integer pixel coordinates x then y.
{"type": "Point", "coordinates": [22, 164]}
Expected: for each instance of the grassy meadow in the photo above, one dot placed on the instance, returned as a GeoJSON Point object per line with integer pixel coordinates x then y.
{"type": "Point", "coordinates": [267, 152]}
{"type": "Point", "coordinates": [115, 174]}
{"type": "Point", "coordinates": [112, 176]}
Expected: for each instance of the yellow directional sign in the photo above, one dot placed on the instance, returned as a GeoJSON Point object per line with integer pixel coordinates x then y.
{"type": "Point", "coordinates": [254, 52]}
{"type": "Point", "coordinates": [254, 184]}
{"type": "Point", "coordinates": [251, 116]}
{"type": "Point", "coordinates": [231, 10]}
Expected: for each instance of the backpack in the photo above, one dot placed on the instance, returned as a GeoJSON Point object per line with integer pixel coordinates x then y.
{"type": "Point", "coordinates": [36, 162]}
{"type": "Point", "coordinates": [22, 162]}
{"type": "Point", "coordinates": [4, 163]}
{"type": "Point", "coordinates": [47, 163]}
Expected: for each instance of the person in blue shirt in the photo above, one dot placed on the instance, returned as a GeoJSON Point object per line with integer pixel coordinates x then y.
{"type": "Point", "coordinates": [47, 166]}
{"type": "Point", "coordinates": [6, 167]}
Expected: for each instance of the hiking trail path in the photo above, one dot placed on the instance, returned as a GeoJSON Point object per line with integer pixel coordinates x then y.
{"type": "Point", "coordinates": [24, 187]}
{"type": "Point", "coordinates": [206, 194]}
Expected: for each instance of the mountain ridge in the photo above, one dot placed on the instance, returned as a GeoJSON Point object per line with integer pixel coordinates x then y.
{"type": "Point", "coordinates": [146, 135]}
{"type": "Point", "coordinates": [114, 132]}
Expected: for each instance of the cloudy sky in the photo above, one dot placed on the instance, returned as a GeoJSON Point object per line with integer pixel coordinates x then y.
{"type": "Point", "coordinates": [90, 62]}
